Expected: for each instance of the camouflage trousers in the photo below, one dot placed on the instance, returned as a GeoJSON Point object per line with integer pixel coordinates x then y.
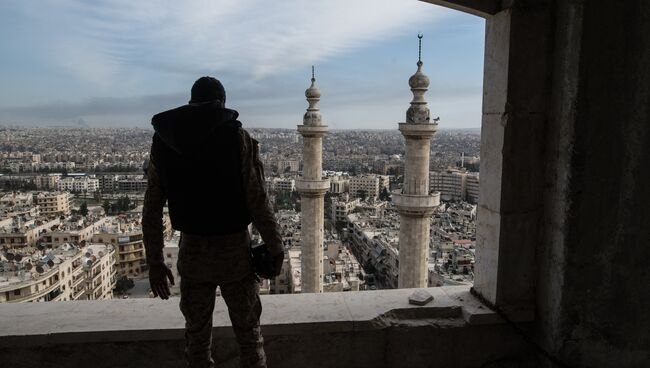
{"type": "Point", "coordinates": [205, 262]}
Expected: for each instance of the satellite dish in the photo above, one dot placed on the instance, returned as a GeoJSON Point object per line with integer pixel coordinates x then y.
{"type": "Point", "coordinates": [101, 254]}
{"type": "Point", "coordinates": [10, 256]}
{"type": "Point", "coordinates": [94, 258]}
{"type": "Point", "coordinates": [39, 269]}
{"type": "Point", "coordinates": [50, 263]}
{"type": "Point", "coordinates": [87, 254]}
{"type": "Point", "coordinates": [18, 257]}
{"type": "Point", "coordinates": [28, 266]}
{"type": "Point", "coordinates": [89, 263]}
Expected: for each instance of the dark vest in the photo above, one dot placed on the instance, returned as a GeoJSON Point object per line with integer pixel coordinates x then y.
{"type": "Point", "coordinates": [201, 174]}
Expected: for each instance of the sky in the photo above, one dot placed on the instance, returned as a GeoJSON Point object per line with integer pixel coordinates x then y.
{"type": "Point", "coordinates": [115, 63]}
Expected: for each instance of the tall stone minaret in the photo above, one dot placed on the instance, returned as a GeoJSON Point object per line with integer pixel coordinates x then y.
{"type": "Point", "coordinates": [414, 204]}
{"type": "Point", "coordinates": [312, 188]}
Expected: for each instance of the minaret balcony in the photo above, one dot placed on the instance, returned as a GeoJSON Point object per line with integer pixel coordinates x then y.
{"type": "Point", "coordinates": [415, 205]}
{"type": "Point", "coordinates": [313, 187]}
{"type": "Point", "coordinates": [418, 130]}
{"type": "Point", "coordinates": [312, 130]}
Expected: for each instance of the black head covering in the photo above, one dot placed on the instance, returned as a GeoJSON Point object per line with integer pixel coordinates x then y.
{"type": "Point", "coordinates": [207, 89]}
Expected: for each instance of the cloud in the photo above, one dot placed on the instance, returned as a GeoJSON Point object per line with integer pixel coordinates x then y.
{"type": "Point", "coordinates": [98, 42]}
{"type": "Point", "coordinates": [143, 52]}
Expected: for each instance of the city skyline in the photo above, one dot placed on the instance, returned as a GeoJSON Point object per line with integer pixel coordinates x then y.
{"type": "Point", "coordinates": [115, 65]}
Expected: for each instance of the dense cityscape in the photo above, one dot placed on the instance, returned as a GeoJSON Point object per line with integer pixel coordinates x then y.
{"type": "Point", "coordinates": [71, 205]}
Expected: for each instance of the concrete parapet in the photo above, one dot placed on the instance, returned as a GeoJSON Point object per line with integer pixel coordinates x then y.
{"type": "Point", "coordinates": [299, 330]}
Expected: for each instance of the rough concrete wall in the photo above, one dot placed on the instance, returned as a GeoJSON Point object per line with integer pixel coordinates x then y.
{"type": "Point", "coordinates": [515, 110]}
{"type": "Point", "coordinates": [441, 343]}
{"type": "Point", "coordinates": [559, 132]}
{"type": "Point", "coordinates": [594, 286]}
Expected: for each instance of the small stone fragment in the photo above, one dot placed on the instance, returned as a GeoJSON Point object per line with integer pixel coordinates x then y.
{"type": "Point", "coordinates": [420, 297]}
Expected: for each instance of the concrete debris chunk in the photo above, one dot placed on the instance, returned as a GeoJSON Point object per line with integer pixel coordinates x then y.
{"type": "Point", "coordinates": [420, 297]}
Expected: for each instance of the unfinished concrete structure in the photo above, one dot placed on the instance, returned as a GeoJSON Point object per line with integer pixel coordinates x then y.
{"type": "Point", "coordinates": [414, 203]}
{"type": "Point", "coordinates": [312, 188]}
{"type": "Point", "coordinates": [563, 225]}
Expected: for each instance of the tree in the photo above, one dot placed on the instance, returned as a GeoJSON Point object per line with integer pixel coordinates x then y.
{"type": "Point", "coordinates": [123, 284]}
{"type": "Point", "coordinates": [83, 209]}
{"type": "Point", "coordinates": [106, 206]}
{"type": "Point", "coordinates": [384, 195]}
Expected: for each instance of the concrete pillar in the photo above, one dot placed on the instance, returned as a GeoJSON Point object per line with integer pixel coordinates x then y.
{"type": "Point", "coordinates": [312, 188]}
{"type": "Point", "coordinates": [414, 204]}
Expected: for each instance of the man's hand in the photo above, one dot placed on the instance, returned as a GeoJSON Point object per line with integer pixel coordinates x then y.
{"type": "Point", "coordinates": [158, 275]}
{"type": "Point", "coordinates": [277, 262]}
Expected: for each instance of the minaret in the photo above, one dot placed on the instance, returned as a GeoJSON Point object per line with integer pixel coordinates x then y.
{"type": "Point", "coordinates": [414, 204]}
{"type": "Point", "coordinates": [312, 188]}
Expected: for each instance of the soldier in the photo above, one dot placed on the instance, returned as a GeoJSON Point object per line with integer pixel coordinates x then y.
{"type": "Point", "coordinates": [208, 169]}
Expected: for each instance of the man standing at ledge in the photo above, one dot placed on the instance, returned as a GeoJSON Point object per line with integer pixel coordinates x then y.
{"type": "Point", "coordinates": [208, 169]}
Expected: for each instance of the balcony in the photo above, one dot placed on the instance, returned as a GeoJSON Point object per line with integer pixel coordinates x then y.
{"type": "Point", "coordinates": [352, 329]}
{"type": "Point", "coordinates": [131, 258]}
{"type": "Point", "coordinates": [77, 281]}
{"type": "Point", "coordinates": [77, 294]}
{"type": "Point", "coordinates": [131, 249]}
{"type": "Point", "coordinates": [34, 296]}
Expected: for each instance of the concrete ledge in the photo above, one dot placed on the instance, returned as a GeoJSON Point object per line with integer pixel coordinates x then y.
{"type": "Point", "coordinates": [37, 324]}
{"type": "Point", "coordinates": [368, 329]}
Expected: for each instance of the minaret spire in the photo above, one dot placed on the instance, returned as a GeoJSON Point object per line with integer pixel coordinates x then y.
{"type": "Point", "coordinates": [420, 35]}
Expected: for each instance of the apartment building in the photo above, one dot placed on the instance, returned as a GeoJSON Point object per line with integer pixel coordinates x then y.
{"type": "Point", "coordinates": [65, 273]}
{"type": "Point", "coordinates": [78, 184]}
{"type": "Point", "coordinates": [339, 184]}
{"type": "Point", "coordinates": [341, 270]}
{"type": "Point", "coordinates": [24, 231]}
{"type": "Point", "coordinates": [375, 242]}
{"type": "Point", "coordinates": [53, 203]}
{"type": "Point", "coordinates": [107, 183]}
{"type": "Point", "coordinates": [125, 234]}
{"type": "Point", "coordinates": [365, 186]}
{"type": "Point", "coordinates": [471, 188]}
{"type": "Point", "coordinates": [343, 206]}
{"type": "Point", "coordinates": [74, 230]}
{"type": "Point", "coordinates": [450, 183]}
{"type": "Point", "coordinates": [283, 184]}
{"type": "Point", "coordinates": [47, 182]}
{"type": "Point", "coordinates": [131, 183]}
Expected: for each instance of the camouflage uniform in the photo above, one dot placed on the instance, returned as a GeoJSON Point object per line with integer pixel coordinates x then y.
{"type": "Point", "coordinates": [205, 262]}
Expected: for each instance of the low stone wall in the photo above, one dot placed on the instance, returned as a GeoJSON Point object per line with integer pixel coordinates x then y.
{"type": "Point", "coordinates": [350, 329]}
